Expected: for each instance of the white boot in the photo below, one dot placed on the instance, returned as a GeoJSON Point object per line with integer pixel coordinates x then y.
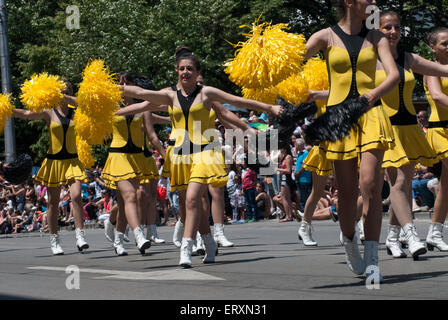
{"type": "Point", "coordinates": [210, 248]}
{"type": "Point", "coordinates": [109, 230]}
{"type": "Point", "coordinates": [81, 242]}
{"type": "Point", "coordinates": [392, 244]}
{"type": "Point", "coordinates": [118, 243]}
{"type": "Point", "coordinates": [360, 225]}
{"type": "Point", "coordinates": [185, 252]}
{"type": "Point", "coordinates": [142, 242]}
{"type": "Point", "coordinates": [154, 237]}
{"type": "Point", "coordinates": [178, 232]}
{"type": "Point", "coordinates": [371, 259]}
{"type": "Point", "coordinates": [219, 236]}
{"type": "Point", "coordinates": [126, 234]}
{"type": "Point", "coordinates": [198, 246]}
{"type": "Point", "coordinates": [354, 260]}
{"type": "Point", "coordinates": [435, 237]}
{"type": "Point", "coordinates": [402, 239]}
{"type": "Point", "coordinates": [55, 245]}
{"type": "Point", "coordinates": [305, 234]}
{"type": "Point", "coordinates": [416, 248]}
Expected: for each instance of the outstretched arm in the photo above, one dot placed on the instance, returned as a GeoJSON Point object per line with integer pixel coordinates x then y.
{"type": "Point", "coordinates": [26, 114]}
{"type": "Point", "coordinates": [157, 98]}
{"type": "Point", "coordinates": [229, 118]}
{"type": "Point", "coordinates": [422, 66]}
{"type": "Point", "coordinates": [216, 95]}
{"type": "Point", "coordinates": [138, 108]}
{"type": "Point", "coordinates": [156, 119]}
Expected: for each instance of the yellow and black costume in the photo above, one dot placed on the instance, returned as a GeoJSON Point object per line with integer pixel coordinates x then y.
{"type": "Point", "coordinates": [410, 141]}
{"type": "Point", "coordinates": [193, 158]}
{"type": "Point", "coordinates": [437, 134]}
{"type": "Point", "coordinates": [352, 74]}
{"type": "Point", "coordinates": [126, 160]}
{"type": "Point", "coordinates": [153, 171]}
{"type": "Point", "coordinates": [61, 165]}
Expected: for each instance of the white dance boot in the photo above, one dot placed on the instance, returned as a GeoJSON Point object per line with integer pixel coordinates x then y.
{"type": "Point", "coordinates": [210, 248]}
{"type": "Point", "coordinates": [126, 234]}
{"type": "Point", "coordinates": [198, 246]}
{"type": "Point", "coordinates": [81, 242]}
{"type": "Point", "coordinates": [178, 233]}
{"type": "Point", "coordinates": [360, 225]}
{"type": "Point", "coordinates": [55, 245]}
{"type": "Point", "coordinates": [152, 235]}
{"type": "Point", "coordinates": [185, 252]}
{"type": "Point", "coordinates": [109, 230]}
{"type": "Point", "coordinates": [392, 244]}
{"type": "Point", "coordinates": [416, 248]}
{"type": "Point", "coordinates": [371, 259]}
{"type": "Point", "coordinates": [354, 260]}
{"type": "Point", "coordinates": [118, 243]}
{"type": "Point", "coordinates": [402, 239]}
{"type": "Point", "coordinates": [142, 242]}
{"type": "Point", "coordinates": [305, 234]}
{"type": "Point", "coordinates": [435, 237]}
{"type": "Point", "coordinates": [219, 236]}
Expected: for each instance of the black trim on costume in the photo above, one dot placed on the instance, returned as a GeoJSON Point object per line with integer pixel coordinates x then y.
{"type": "Point", "coordinates": [353, 44]}
{"type": "Point", "coordinates": [146, 152]}
{"type": "Point", "coordinates": [65, 122]}
{"type": "Point", "coordinates": [402, 117]}
{"type": "Point", "coordinates": [438, 124]}
{"type": "Point", "coordinates": [130, 147]}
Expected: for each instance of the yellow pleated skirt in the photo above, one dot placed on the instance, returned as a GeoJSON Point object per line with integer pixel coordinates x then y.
{"type": "Point", "coordinates": [317, 162]}
{"type": "Point", "coordinates": [55, 173]}
{"type": "Point", "coordinates": [374, 132]}
{"type": "Point", "coordinates": [206, 167]}
{"type": "Point", "coordinates": [411, 145]}
{"type": "Point", "coordinates": [125, 166]}
{"type": "Point", "coordinates": [438, 140]}
{"type": "Point", "coordinates": [153, 173]}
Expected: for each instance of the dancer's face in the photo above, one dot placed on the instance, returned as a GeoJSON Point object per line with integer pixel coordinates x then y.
{"type": "Point", "coordinates": [359, 7]}
{"type": "Point", "coordinates": [187, 72]}
{"type": "Point", "coordinates": [440, 49]}
{"type": "Point", "coordinates": [391, 27]}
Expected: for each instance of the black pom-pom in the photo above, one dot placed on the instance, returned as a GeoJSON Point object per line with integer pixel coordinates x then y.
{"type": "Point", "coordinates": [336, 122]}
{"type": "Point", "coordinates": [19, 170]}
{"type": "Point", "coordinates": [290, 118]}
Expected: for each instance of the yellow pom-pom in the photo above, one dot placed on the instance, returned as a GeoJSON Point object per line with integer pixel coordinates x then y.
{"type": "Point", "coordinates": [93, 131]}
{"type": "Point", "coordinates": [98, 95]}
{"type": "Point", "coordinates": [294, 89]}
{"type": "Point", "coordinates": [268, 96]}
{"type": "Point", "coordinates": [6, 108]}
{"type": "Point", "coordinates": [42, 91]}
{"type": "Point", "coordinates": [315, 74]}
{"type": "Point", "coordinates": [269, 56]}
{"type": "Point", "coordinates": [84, 153]}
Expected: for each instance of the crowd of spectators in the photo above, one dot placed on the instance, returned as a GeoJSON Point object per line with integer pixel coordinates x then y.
{"type": "Point", "coordinates": [249, 196]}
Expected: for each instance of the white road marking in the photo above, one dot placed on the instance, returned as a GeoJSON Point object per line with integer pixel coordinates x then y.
{"type": "Point", "coordinates": [164, 275]}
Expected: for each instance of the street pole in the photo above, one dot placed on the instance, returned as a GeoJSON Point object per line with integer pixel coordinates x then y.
{"type": "Point", "coordinates": [10, 139]}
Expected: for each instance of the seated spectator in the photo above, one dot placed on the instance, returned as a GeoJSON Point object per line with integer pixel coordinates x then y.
{"type": "Point", "coordinates": [263, 202]}
{"type": "Point", "coordinates": [422, 197]}
{"type": "Point", "coordinates": [327, 206]}
{"type": "Point", "coordinates": [5, 225]}
{"type": "Point", "coordinates": [90, 210]}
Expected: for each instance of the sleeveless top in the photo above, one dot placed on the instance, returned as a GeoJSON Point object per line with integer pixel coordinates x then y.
{"type": "Point", "coordinates": [62, 138]}
{"type": "Point", "coordinates": [439, 115]}
{"type": "Point", "coordinates": [398, 103]}
{"type": "Point", "coordinates": [351, 70]}
{"type": "Point", "coordinates": [127, 135]}
{"type": "Point", "coordinates": [189, 123]}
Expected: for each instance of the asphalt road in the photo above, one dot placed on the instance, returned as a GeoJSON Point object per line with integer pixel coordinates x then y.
{"type": "Point", "coordinates": [268, 262]}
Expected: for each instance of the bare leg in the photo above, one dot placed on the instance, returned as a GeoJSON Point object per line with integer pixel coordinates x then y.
{"type": "Point", "coordinates": [441, 203]}
{"type": "Point", "coordinates": [316, 193]}
{"type": "Point", "coordinates": [194, 210]}
{"type": "Point", "coordinates": [77, 211]}
{"type": "Point", "coordinates": [400, 179]}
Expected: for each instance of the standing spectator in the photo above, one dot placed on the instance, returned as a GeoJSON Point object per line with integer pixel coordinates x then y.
{"type": "Point", "coordinates": [249, 180]}
{"type": "Point", "coordinates": [303, 177]}
{"type": "Point", "coordinates": [288, 187]}
{"type": "Point", "coordinates": [237, 201]}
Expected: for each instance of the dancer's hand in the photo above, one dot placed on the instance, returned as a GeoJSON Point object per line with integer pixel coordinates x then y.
{"type": "Point", "coordinates": [276, 110]}
{"type": "Point", "coordinates": [371, 100]}
{"type": "Point", "coordinates": [317, 95]}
